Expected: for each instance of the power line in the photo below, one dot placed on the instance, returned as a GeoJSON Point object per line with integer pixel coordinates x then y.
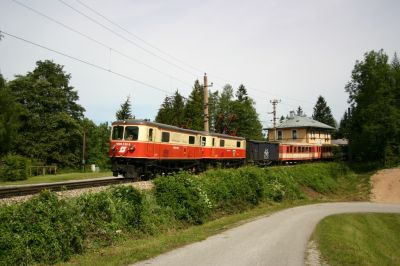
{"type": "Point", "coordinates": [99, 42]}
{"type": "Point", "coordinates": [126, 39]}
{"type": "Point", "coordinates": [139, 38]}
{"type": "Point", "coordinates": [86, 62]}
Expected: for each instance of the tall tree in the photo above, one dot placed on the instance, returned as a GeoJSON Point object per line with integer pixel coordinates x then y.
{"type": "Point", "coordinates": [343, 130]}
{"type": "Point", "coordinates": [50, 129]}
{"type": "Point", "coordinates": [194, 107]}
{"type": "Point", "coordinates": [172, 111]}
{"type": "Point", "coordinates": [125, 113]}
{"type": "Point", "coordinates": [322, 112]}
{"type": "Point", "coordinates": [374, 130]}
{"type": "Point", "coordinates": [10, 112]}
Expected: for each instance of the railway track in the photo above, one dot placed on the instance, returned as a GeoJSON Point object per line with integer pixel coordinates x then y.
{"type": "Point", "coordinates": [22, 190]}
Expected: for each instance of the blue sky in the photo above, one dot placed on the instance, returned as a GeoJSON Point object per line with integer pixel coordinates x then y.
{"type": "Point", "coordinates": [290, 50]}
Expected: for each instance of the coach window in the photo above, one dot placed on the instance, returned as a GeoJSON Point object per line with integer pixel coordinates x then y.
{"type": "Point", "coordinates": [238, 144]}
{"type": "Point", "coordinates": [131, 133]}
{"type": "Point", "coordinates": [117, 132]}
{"type": "Point", "coordinates": [165, 137]}
{"type": "Point", "coordinates": [287, 149]}
{"type": "Point", "coordinates": [150, 134]}
{"type": "Point", "coordinates": [191, 139]}
{"type": "Point", "coordinates": [294, 134]}
{"type": "Point", "coordinates": [280, 134]}
{"type": "Point", "coordinates": [213, 142]}
{"type": "Point", "coordinates": [222, 143]}
{"type": "Point", "coordinates": [203, 141]}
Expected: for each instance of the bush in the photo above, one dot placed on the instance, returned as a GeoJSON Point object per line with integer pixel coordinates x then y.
{"type": "Point", "coordinates": [234, 189]}
{"type": "Point", "coordinates": [106, 214]}
{"type": "Point", "coordinates": [41, 230]}
{"type": "Point", "coordinates": [184, 195]}
{"type": "Point", "coordinates": [14, 167]}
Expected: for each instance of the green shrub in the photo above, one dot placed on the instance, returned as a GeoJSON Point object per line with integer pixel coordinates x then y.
{"type": "Point", "coordinates": [184, 195]}
{"type": "Point", "coordinates": [41, 230]}
{"type": "Point", "coordinates": [108, 213]}
{"type": "Point", "coordinates": [234, 189]}
{"type": "Point", "coordinates": [14, 167]}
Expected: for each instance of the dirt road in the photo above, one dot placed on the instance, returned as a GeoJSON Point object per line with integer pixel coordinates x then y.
{"type": "Point", "coordinates": [279, 239]}
{"type": "Point", "coordinates": [386, 186]}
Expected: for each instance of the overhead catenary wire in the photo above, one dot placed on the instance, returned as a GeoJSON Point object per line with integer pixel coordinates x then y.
{"type": "Point", "coordinates": [127, 39]}
{"type": "Point", "coordinates": [138, 37]}
{"type": "Point", "coordinates": [86, 62]}
{"type": "Point", "coordinates": [108, 47]}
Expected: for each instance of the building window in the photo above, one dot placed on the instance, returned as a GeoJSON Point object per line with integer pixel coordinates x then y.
{"type": "Point", "coordinates": [280, 134]}
{"type": "Point", "coordinates": [294, 134]}
{"type": "Point", "coordinates": [312, 134]}
{"type": "Point", "coordinates": [165, 137]}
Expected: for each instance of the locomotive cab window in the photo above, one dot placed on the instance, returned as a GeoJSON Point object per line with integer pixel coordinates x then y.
{"type": "Point", "coordinates": [150, 134]}
{"type": "Point", "coordinates": [117, 132]}
{"type": "Point", "coordinates": [131, 133]}
{"type": "Point", "coordinates": [191, 139]}
{"type": "Point", "coordinates": [165, 137]}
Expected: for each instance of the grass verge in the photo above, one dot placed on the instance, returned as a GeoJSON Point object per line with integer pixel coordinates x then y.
{"type": "Point", "coordinates": [359, 239]}
{"type": "Point", "coordinates": [134, 250]}
{"type": "Point", "coordinates": [56, 178]}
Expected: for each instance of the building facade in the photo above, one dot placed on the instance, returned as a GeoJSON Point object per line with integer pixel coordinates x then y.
{"type": "Point", "coordinates": [301, 129]}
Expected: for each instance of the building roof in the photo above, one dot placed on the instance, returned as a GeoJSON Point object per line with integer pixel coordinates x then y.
{"type": "Point", "coordinates": [295, 121]}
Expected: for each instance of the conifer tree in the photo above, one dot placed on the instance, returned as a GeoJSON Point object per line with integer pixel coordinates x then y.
{"type": "Point", "coordinates": [125, 113]}
{"type": "Point", "coordinates": [322, 112]}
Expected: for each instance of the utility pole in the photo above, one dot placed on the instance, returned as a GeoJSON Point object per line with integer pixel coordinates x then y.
{"type": "Point", "coordinates": [206, 86]}
{"type": "Point", "coordinates": [274, 104]}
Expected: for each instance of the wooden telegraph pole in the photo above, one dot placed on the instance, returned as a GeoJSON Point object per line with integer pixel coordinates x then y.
{"type": "Point", "coordinates": [206, 116]}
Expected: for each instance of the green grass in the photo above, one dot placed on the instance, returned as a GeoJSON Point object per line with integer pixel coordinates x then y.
{"type": "Point", "coordinates": [56, 178]}
{"type": "Point", "coordinates": [134, 250]}
{"type": "Point", "coordinates": [359, 239]}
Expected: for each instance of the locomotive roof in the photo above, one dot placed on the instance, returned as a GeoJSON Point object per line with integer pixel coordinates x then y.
{"type": "Point", "coordinates": [296, 121]}
{"type": "Point", "coordinates": [173, 128]}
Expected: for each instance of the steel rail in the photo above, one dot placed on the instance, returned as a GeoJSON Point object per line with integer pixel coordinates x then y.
{"type": "Point", "coordinates": [22, 190]}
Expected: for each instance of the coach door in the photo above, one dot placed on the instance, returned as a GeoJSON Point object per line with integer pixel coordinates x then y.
{"type": "Point", "coordinates": [150, 143]}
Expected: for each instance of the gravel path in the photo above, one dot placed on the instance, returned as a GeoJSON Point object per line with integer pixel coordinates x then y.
{"type": "Point", "coordinates": [279, 239]}
{"type": "Point", "coordinates": [386, 186]}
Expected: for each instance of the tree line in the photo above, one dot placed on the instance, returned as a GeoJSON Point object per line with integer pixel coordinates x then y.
{"type": "Point", "coordinates": [372, 123]}
{"type": "Point", "coordinates": [41, 120]}
{"type": "Point", "coordinates": [229, 113]}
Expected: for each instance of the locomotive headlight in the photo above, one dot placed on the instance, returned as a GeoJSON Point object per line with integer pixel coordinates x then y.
{"type": "Point", "coordinates": [132, 147]}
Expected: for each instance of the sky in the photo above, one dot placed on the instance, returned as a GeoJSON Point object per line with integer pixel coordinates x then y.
{"type": "Point", "coordinates": [292, 51]}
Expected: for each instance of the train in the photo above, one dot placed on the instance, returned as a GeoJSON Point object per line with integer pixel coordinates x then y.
{"type": "Point", "coordinates": [142, 149]}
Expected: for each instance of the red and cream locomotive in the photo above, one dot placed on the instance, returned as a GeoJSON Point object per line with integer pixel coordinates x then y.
{"type": "Point", "coordinates": [141, 147]}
